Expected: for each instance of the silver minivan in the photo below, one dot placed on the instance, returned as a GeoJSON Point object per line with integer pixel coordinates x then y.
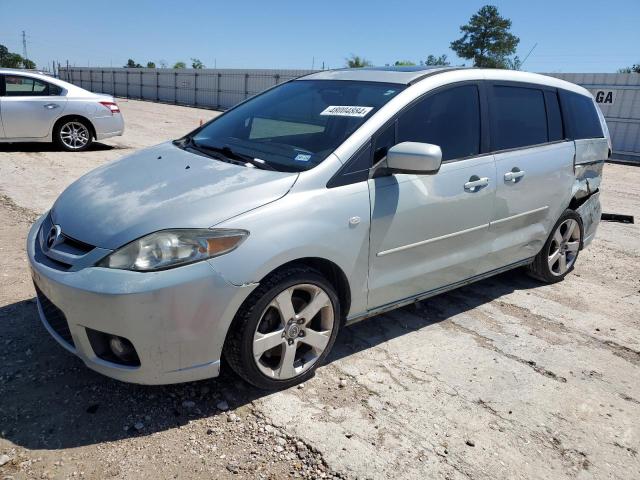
{"type": "Point", "coordinates": [320, 202]}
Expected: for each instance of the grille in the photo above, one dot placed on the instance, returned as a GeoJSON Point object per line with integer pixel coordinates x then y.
{"type": "Point", "coordinates": [55, 318]}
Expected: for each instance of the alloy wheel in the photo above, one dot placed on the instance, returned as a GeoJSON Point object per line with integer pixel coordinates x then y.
{"type": "Point", "coordinates": [293, 331]}
{"type": "Point", "coordinates": [564, 247]}
{"type": "Point", "coordinates": [74, 135]}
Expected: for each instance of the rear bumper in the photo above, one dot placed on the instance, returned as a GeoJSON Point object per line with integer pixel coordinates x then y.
{"type": "Point", "coordinates": [108, 126]}
{"type": "Point", "coordinates": [176, 319]}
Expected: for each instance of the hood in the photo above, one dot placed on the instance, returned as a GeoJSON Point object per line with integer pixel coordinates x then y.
{"type": "Point", "coordinates": [159, 188]}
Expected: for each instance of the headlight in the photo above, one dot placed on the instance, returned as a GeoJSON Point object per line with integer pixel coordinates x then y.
{"type": "Point", "coordinates": [172, 248]}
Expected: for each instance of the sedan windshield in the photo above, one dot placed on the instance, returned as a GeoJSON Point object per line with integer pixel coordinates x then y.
{"type": "Point", "coordinates": [294, 126]}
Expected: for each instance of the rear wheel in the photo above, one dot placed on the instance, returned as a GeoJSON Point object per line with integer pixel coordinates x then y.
{"type": "Point", "coordinates": [73, 135]}
{"type": "Point", "coordinates": [560, 252]}
{"type": "Point", "coordinates": [284, 330]}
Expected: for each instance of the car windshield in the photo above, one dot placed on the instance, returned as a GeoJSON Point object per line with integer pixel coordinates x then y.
{"type": "Point", "coordinates": [294, 126]}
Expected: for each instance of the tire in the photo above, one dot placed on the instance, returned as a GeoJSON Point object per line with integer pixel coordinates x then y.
{"type": "Point", "coordinates": [560, 252]}
{"type": "Point", "coordinates": [73, 135]}
{"type": "Point", "coordinates": [268, 346]}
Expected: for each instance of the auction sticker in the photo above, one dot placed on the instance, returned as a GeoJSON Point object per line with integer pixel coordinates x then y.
{"type": "Point", "coordinates": [346, 111]}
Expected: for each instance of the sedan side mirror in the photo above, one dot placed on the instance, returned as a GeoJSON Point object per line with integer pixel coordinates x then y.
{"type": "Point", "coordinates": [414, 157]}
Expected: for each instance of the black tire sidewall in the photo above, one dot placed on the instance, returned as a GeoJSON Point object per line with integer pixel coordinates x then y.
{"type": "Point", "coordinates": [250, 369]}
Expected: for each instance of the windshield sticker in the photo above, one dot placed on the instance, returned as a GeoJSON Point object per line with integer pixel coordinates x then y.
{"type": "Point", "coordinates": [346, 111]}
{"type": "Point", "coordinates": [302, 157]}
{"type": "Point", "coordinates": [389, 92]}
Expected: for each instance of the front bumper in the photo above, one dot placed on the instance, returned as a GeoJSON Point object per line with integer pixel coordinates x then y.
{"type": "Point", "coordinates": [177, 319]}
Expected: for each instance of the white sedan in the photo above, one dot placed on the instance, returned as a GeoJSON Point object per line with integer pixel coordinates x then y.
{"type": "Point", "coordinates": [39, 108]}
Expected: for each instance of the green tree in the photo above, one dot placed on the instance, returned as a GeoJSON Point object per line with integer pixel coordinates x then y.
{"type": "Point", "coordinates": [632, 69]}
{"type": "Point", "coordinates": [197, 64]}
{"type": "Point", "coordinates": [486, 39]}
{"type": "Point", "coordinates": [404, 63]}
{"type": "Point", "coordinates": [441, 61]}
{"type": "Point", "coordinates": [355, 61]}
{"type": "Point", "coordinates": [12, 60]}
{"type": "Point", "coordinates": [151, 65]}
{"type": "Point", "coordinates": [132, 64]}
{"type": "Point", "coordinates": [28, 64]}
{"type": "Point", "coordinates": [180, 65]}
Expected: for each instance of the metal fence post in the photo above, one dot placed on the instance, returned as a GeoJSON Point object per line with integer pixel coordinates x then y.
{"type": "Point", "coordinates": [127, 83]}
{"type": "Point", "coordinates": [102, 80]}
{"type": "Point", "coordinates": [195, 88]}
{"type": "Point", "coordinates": [218, 91]}
{"type": "Point", "coordinates": [277, 78]}
{"type": "Point", "coordinates": [91, 80]}
{"type": "Point", "coordinates": [175, 87]}
{"type": "Point", "coordinates": [157, 86]}
{"type": "Point", "coordinates": [246, 85]}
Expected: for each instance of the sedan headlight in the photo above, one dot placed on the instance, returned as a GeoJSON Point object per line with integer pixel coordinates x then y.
{"type": "Point", "coordinates": [172, 248]}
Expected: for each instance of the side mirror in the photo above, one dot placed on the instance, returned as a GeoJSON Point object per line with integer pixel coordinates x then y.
{"type": "Point", "coordinates": [414, 157]}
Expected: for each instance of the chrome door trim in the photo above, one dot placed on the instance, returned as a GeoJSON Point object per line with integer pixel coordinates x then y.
{"type": "Point", "coordinates": [430, 240]}
{"type": "Point", "coordinates": [523, 214]}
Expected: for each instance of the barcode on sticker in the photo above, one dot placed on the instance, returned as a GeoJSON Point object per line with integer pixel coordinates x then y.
{"type": "Point", "coordinates": [346, 111]}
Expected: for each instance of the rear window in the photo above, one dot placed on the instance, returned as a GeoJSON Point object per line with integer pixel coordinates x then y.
{"type": "Point", "coordinates": [518, 117]}
{"type": "Point", "coordinates": [581, 115]}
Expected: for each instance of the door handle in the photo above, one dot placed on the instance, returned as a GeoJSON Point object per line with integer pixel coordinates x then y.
{"type": "Point", "coordinates": [514, 175]}
{"type": "Point", "coordinates": [475, 183]}
{"type": "Point", "coordinates": [51, 106]}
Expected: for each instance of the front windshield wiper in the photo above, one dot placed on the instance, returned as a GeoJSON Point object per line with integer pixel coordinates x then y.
{"type": "Point", "coordinates": [236, 157]}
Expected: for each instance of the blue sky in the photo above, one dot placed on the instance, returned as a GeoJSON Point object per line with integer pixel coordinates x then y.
{"type": "Point", "coordinates": [571, 36]}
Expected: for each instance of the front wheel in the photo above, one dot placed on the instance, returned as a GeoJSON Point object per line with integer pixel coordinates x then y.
{"type": "Point", "coordinates": [560, 252]}
{"type": "Point", "coordinates": [73, 135]}
{"type": "Point", "coordinates": [284, 330]}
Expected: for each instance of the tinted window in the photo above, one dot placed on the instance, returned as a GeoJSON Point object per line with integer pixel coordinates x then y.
{"type": "Point", "coordinates": [19, 86]}
{"type": "Point", "coordinates": [450, 119]}
{"type": "Point", "coordinates": [518, 117]}
{"type": "Point", "coordinates": [581, 114]}
{"type": "Point", "coordinates": [554, 117]}
{"type": "Point", "coordinates": [296, 125]}
{"type": "Point", "coordinates": [384, 141]}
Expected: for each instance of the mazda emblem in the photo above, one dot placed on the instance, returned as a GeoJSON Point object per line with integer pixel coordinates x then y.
{"type": "Point", "coordinates": [53, 237]}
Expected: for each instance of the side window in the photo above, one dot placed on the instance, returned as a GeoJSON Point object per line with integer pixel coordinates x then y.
{"type": "Point", "coordinates": [554, 117]}
{"type": "Point", "coordinates": [19, 86]}
{"type": "Point", "coordinates": [518, 117]}
{"type": "Point", "coordinates": [449, 119]}
{"type": "Point", "coordinates": [581, 114]}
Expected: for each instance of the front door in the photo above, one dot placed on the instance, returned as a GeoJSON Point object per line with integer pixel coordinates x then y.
{"type": "Point", "coordinates": [430, 231]}
{"type": "Point", "coordinates": [29, 107]}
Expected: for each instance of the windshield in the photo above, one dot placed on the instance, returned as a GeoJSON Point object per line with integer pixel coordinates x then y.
{"type": "Point", "coordinates": [297, 125]}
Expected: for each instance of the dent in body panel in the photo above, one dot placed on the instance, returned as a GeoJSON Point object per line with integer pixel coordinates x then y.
{"type": "Point", "coordinates": [589, 161]}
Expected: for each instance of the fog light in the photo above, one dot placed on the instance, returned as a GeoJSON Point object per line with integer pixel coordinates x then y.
{"type": "Point", "coordinates": [122, 348]}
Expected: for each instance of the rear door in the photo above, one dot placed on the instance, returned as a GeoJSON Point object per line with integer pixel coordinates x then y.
{"type": "Point", "coordinates": [534, 163]}
{"type": "Point", "coordinates": [30, 106]}
{"type": "Point", "coordinates": [429, 231]}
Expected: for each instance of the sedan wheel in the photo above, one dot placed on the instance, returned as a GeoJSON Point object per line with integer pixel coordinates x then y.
{"type": "Point", "coordinates": [74, 135]}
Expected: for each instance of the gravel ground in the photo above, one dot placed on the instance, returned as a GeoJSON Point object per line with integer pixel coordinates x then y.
{"type": "Point", "coordinates": [501, 379]}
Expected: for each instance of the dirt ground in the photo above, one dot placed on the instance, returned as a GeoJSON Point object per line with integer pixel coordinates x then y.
{"type": "Point", "coordinates": [502, 379]}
